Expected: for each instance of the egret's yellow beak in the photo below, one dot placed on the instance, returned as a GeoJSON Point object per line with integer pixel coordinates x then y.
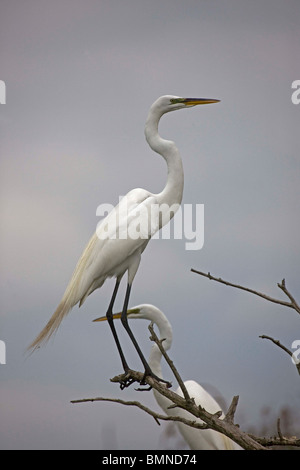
{"type": "Point", "coordinates": [118, 315]}
{"type": "Point", "coordinates": [196, 101]}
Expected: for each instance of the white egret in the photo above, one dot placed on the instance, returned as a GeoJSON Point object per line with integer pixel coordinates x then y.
{"type": "Point", "coordinates": [207, 439]}
{"type": "Point", "coordinates": [116, 247]}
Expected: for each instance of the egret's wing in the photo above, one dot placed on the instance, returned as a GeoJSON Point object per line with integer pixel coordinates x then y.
{"type": "Point", "coordinates": [125, 231]}
{"type": "Point", "coordinates": [131, 218]}
{"type": "Point", "coordinates": [122, 235]}
{"type": "Point", "coordinates": [202, 397]}
{"type": "Point", "coordinates": [206, 439]}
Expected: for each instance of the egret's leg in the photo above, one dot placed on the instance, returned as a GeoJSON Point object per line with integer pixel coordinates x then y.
{"type": "Point", "coordinates": [124, 320]}
{"type": "Point", "coordinates": [109, 316]}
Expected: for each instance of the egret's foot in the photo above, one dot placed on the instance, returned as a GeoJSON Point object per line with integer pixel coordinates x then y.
{"type": "Point", "coordinates": [126, 380]}
{"type": "Point", "coordinates": [149, 373]}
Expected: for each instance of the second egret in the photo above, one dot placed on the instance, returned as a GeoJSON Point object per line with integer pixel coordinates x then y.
{"type": "Point", "coordinates": [206, 439]}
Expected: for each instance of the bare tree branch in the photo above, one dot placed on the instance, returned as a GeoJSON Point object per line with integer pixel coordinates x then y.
{"type": "Point", "coordinates": [277, 342]}
{"type": "Point", "coordinates": [156, 416]}
{"type": "Point", "coordinates": [282, 286]}
{"type": "Point", "coordinates": [225, 426]}
{"type": "Point", "coordinates": [232, 409]}
{"type": "Point", "coordinates": [247, 441]}
{"type": "Point", "coordinates": [170, 363]}
{"type": "Point", "coordinates": [293, 304]}
{"type": "Point", "coordinates": [229, 417]}
{"type": "Point", "coordinates": [269, 442]}
{"type": "Point", "coordinates": [279, 430]}
{"type": "Point", "coordinates": [213, 421]}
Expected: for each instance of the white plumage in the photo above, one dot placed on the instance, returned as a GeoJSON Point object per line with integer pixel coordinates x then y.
{"type": "Point", "coordinates": [207, 439]}
{"type": "Point", "coordinates": [121, 238]}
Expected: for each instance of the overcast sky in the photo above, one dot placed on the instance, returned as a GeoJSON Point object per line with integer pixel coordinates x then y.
{"type": "Point", "coordinates": [80, 77]}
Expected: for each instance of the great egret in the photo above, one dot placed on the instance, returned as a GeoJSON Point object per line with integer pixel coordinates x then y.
{"type": "Point", "coordinates": [116, 247]}
{"type": "Point", "coordinates": [207, 439]}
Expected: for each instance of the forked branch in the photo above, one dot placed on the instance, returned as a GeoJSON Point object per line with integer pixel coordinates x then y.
{"type": "Point", "coordinates": [211, 420]}
{"type": "Point", "coordinates": [225, 426]}
{"type": "Point", "coordinates": [292, 304]}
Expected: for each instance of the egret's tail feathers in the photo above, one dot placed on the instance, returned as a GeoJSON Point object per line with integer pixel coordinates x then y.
{"type": "Point", "coordinates": [52, 325]}
{"type": "Point", "coordinates": [78, 289]}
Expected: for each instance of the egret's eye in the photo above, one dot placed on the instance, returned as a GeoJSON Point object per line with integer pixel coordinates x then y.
{"type": "Point", "coordinates": [176, 100]}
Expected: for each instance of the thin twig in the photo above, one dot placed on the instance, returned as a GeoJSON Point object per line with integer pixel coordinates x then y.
{"type": "Point", "coordinates": [229, 417]}
{"type": "Point", "coordinates": [278, 343]}
{"type": "Point", "coordinates": [279, 430]}
{"type": "Point", "coordinates": [291, 304]}
{"type": "Point", "coordinates": [156, 416]}
{"type": "Point", "coordinates": [284, 348]}
{"type": "Point", "coordinates": [282, 286]}
{"type": "Point", "coordinates": [170, 363]}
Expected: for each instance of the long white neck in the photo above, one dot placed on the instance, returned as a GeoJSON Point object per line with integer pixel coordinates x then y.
{"type": "Point", "coordinates": [172, 193]}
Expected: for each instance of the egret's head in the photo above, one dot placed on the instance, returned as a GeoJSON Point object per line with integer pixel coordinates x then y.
{"type": "Point", "coordinates": [168, 103]}
{"type": "Point", "coordinates": [154, 315]}
{"type": "Point", "coordinates": [146, 311]}
{"type": "Point", "coordinates": [132, 312]}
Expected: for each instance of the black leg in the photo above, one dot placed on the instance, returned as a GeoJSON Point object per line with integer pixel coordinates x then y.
{"type": "Point", "coordinates": [109, 316]}
{"type": "Point", "coordinates": [124, 320]}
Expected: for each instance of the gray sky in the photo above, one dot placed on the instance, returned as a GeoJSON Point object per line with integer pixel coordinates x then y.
{"type": "Point", "coordinates": [80, 77]}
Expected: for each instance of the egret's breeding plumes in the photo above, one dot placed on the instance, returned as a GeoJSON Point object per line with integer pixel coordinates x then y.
{"type": "Point", "coordinates": [113, 250]}
{"type": "Point", "coordinates": [207, 439]}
